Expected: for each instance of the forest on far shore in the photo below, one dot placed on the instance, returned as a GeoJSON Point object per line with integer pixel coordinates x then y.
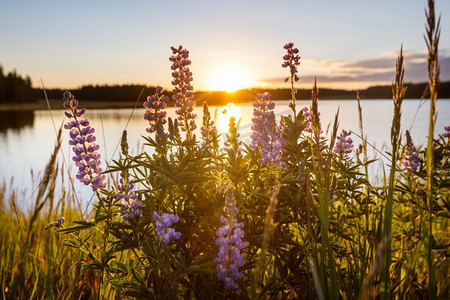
{"type": "Point", "coordinates": [15, 89]}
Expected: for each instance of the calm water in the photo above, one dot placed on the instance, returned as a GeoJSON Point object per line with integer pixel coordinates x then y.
{"type": "Point", "coordinates": [28, 143]}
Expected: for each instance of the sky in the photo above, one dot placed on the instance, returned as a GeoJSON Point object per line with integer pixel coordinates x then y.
{"type": "Point", "coordinates": [348, 44]}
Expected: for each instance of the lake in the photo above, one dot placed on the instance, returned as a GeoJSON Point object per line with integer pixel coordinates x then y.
{"type": "Point", "coordinates": [27, 138]}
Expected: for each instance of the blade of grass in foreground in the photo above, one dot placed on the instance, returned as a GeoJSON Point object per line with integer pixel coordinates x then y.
{"type": "Point", "coordinates": [432, 41]}
{"type": "Point", "coordinates": [326, 265]}
{"type": "Point", "coordinates": [398, 93]}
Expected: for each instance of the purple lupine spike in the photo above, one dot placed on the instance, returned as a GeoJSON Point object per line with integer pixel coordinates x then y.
{"type": "Point", "coordinates": [291, 60]}
{"type": "Point", "coordinates": [411, 159]}
{"type": "Point", "coordinates": [446, 134]}
{"type": "Point", "coordinates": [163, 227]}
{"type": "Point", "coordinates": [307, 113]}
{"type": "Point", "coordinates": [82, 139]}
{"type": "Point", "coordinates": [155, 114]}
{"type": "Point", "coordinates": [182, 92]}
{"type": "Point", "coordinates": [266, 136]}
{"type": "Point", "coordinates": [344, 143]}
{"type": "Point", "coordinates": [229, 258]}
{"type": "Point", "coordinates": [128, 199]}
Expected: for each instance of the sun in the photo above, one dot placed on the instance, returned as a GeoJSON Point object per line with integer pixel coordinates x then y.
{"type": "Point", "coordinates": [230, 78]}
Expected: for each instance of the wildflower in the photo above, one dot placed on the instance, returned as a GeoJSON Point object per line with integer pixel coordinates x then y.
{"type": "Point", "coordinates": [163, 227]}
{"type": "Point", "coordinates": [447, 131]}
{"type": "Point", "coordinates": [232, 143]}
{"type": "Point", "coordinates": [128, 198]}
{"type": "Point", "coordinates": [57, 224]}
{"type": "Point", "coordinates": [229, 258]}
{"type": "Point", "coordinates": [81, 137]}
{"type": "Point", "coordinates": [291, 60]}
{"type": "Point", "coordinates": [182, 92]}
{"type": "Point", "coordinates": [208, 131]}
{"type": "Point", "coordinates": [155, 114]}
{"type": "Point", "coordinates": [124, 143]}
{"type": "Point", "coordinates": [344, 143]}
{"type": "Point", "coordinates": [266, 136]}
{"type": "Point", "coordinates": [411, 159]}
{"type": "Point", "coordinates": [308, 114]}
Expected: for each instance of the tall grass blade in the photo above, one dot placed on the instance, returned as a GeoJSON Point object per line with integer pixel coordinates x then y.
{"type": "Point", "coordinates": [398, 93]}
{"type": "Point", "coordinates": [432, 41]}
{"type": "Point", "coordinates": [270, 212]}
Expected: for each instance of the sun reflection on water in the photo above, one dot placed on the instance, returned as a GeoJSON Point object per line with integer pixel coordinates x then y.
{"type": "Point", "coordinates": [225, 113]}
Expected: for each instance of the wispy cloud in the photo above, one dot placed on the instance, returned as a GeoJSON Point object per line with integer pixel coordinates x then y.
{"type": "Point", "coordinates": [379, 70]}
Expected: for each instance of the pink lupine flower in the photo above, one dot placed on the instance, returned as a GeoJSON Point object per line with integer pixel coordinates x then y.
{"type": "Point", "coordinates": [182, 92]}
{"type": "Point", "coordinates": [155, 114]}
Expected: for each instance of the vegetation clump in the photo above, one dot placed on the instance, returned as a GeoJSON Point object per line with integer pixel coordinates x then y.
{"type": "Point", "coordinates": [293, 215]}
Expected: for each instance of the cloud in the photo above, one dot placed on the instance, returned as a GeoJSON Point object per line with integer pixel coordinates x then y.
{"type": "Point", "coordinates": [380, 70]}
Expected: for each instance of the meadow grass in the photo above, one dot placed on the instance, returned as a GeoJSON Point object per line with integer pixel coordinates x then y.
{"type": "Point", "coordinates": [34, 263]}
{"type": "Point", "coordinates": [292, 215]}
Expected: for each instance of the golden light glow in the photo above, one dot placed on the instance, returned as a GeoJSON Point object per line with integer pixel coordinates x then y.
{"type": "Point", "coordinates": [230, 110]}
{"type": "Point", "coordinates": [229, 78]}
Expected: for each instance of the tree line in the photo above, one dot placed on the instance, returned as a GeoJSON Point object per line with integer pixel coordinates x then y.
{"type": "Point", "coordinates": [414, 91]}
{"type": "Point", "coordinates": [15, 89]}
{"type": "Point", "coordinates": [130, 93]}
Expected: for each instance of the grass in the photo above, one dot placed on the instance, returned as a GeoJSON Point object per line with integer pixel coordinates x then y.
{"type": "Point", "coordinates": [34, 263]}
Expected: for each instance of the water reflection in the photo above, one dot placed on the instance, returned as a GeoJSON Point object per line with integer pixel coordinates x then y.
{"type": "Point", "coordinates": [225, 113]}
{"type": "Point", "coordinates": [16, 120]}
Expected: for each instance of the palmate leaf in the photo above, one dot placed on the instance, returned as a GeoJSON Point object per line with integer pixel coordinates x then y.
{"type": "Point", "coordinates": [186, 171]}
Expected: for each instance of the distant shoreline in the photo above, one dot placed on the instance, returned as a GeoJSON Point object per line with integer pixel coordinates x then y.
{"type": "Point", "coordinates": [103, 97]}
{"type": "Point", "coordinates": [57, 104]}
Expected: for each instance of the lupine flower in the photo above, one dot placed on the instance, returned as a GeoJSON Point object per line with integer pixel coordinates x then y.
{"type": "Point", "coordinates": [230, 243]}
{"type": "Point", "coordinates": [291, 60]}
{"type": "Point", "coordinates": [344, 143]}
{"type": "Point", "coordinates": [447, 131]}
{"type": "Point", "coordinates": [163, 227]}
{"type": "Point", "coordinates": [155, 114]}
{"type": "Point", "coordinates": [57, 224]}
{"type": "Point", "coordinates": [232, 143]}
{"type": "Point", "coordinates": [81, 137]}
{"type": "Point", "coordinates": [128, 198]}
{"type": "Point", "coordinates": [307, 113]}
{"type": "Point", "coordinates": [208, 131]}
{"type": "Point", "coordinates": [411, 160]}
{"type": "Point", "coordinates": [182, 92]}
{"type": "Point", "coordinates": [266, 136]}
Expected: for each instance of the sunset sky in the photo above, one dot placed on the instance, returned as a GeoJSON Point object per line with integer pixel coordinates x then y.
{"type": "Point", "coordinates": [346, 43]}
